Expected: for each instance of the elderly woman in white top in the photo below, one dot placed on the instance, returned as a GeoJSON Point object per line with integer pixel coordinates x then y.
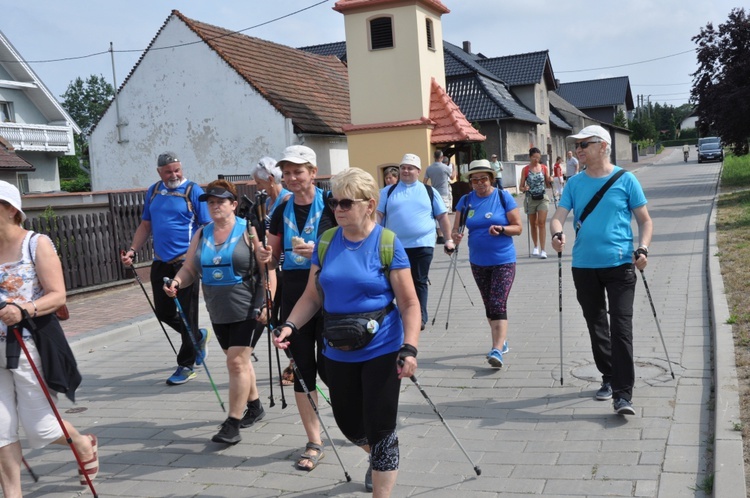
{"type": "Point", "coordinates": [33, 283]}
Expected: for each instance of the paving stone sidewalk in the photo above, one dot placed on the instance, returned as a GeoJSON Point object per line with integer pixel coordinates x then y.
{"type": "Point", "coordinates": [527, 432]}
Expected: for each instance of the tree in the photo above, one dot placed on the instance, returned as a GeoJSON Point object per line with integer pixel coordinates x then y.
{"type": "Point", "coordinates": [85, 101]}
{"type": "Point", "coordinates": [620, 119]}
{"type": "Point", "coordinates": [721, 85]}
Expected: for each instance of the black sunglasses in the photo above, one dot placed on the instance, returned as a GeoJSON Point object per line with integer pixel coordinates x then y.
{"type": "Point", "coordinates": [344, 204]}
{"type": "Point", "coordinates": [583, 145]}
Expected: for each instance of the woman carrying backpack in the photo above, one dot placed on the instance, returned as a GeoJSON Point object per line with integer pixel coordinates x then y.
{"type": "Point", "coordinates": [222, 256]}
{"type": "Point", "coordinates": [492, 217]}
{"type": "Point", "coordinates": [370, 343]}
{"type": "Point", "coordinates": [535, 180]}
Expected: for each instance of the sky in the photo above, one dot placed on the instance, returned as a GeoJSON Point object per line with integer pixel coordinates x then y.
{"type": "Point", "coordinates": [586, 40]}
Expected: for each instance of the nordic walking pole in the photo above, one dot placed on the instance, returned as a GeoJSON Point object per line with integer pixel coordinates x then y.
{"type": "Point", "coordinates": [461, 226]}
{"type": "Point", "coordinates": [445, 282]}
{"type": "Point", "coordinates": [460, 279]}
{"type": "Point", "coordinates": [17, 333]}
{"type": "Point", "coordinates": [320, 391]}
{"type": "Point", "coordinates": [135, 273]}
{"type": "Point", "coordinates": [260, 227]}
{"type": "Point", "coordinates": [28, 467]}
{"type": "Point", "coordinates": [451, 266]}
{"type": "Point", "coordinates": [168, 283]}
{"type": "Point", "coordinates": [559, 287]}
{"type": "Point", "coordinates": [434, 408]}
{"type": "Point", "coordinates": [270, 369]}
{"type": "Point", "coordinates": [656, 319]}
{"type": "Point", "coordinates": [528, 223]}
{"type": "Point", "coordinates": [277, 332]}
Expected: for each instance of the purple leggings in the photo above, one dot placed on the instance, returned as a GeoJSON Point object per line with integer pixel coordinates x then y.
{"type": "Point", "coordinates": [494, 284]}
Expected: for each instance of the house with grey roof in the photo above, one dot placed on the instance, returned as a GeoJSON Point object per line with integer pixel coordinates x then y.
{"type": "Point", "coordinates": [35, 130]}
{"type": "Point", "coordinates": [601, 100]}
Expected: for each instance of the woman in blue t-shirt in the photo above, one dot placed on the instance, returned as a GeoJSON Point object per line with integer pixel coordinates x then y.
{"type": "Point", "coordinates": [492, 217]}
{"type": "Point", "coordinates": [357, 278]}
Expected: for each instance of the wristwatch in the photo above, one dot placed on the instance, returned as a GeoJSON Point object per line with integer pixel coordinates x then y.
{"type": "Point", "coordinates": [645, 248]}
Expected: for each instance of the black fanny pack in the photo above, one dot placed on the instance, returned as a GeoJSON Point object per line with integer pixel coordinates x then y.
{"type": "Point", "coordinates": [537, 197]}
{"type": "Point", "coordinates": [353, 331]}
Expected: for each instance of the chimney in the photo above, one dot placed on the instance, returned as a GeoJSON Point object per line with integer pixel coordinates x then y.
{"type": "Point", "coordinates": [467, 46]}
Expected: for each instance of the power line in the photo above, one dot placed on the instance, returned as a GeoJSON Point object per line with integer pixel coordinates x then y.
{"type": "Point", "coordinates": [64, 59]}
{"type": "Point", "coordinates": [628, 64]}
{"type": "Point", "coordinates": [660, 84]}
{"type": "Point", "coordinates": [666, 94]}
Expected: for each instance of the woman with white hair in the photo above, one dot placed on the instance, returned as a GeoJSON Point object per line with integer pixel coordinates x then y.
{"type": "Point", "coordinates": [267, 177]}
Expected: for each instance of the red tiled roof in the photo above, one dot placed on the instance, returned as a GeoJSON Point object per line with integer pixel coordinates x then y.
{"type": "Point", "coordinates": [10, 161]}
{"type": "Point", "coordinates": [423, 121]}
{"type": "Point", "coordinates": [344, 5]}
{"type": "Point", "coordinates": [450, 123]}
{"type": "Point", "coordinates": [311, 90]}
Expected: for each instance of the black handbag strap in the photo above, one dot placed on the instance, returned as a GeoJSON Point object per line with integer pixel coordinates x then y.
{"type": "Point", "coordinates": [598, 196]}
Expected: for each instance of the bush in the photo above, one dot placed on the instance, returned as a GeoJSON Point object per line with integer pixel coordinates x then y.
{"type": "Point", "coordinates": [79, 184]}
{"type": "Point", "coordinates": [736, 171]}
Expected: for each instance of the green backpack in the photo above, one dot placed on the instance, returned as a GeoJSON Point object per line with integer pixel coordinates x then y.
{"type": "Point", "coordinates": [387, 238]}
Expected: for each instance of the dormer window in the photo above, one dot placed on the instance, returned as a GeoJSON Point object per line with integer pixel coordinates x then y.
{"type": "Point", "coordinates": [430, 36]}
{"type": "Point", "coordinates": [381, 33]}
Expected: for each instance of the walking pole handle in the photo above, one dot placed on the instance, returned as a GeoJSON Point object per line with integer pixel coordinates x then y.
{"type": "Point", "coordinates": [277, 333]}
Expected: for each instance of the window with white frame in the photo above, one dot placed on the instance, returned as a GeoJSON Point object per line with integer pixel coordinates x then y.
{"type": "Point", "coordinates": [23, 182]}
{"type": "Point", "coordinates": [6, 112]}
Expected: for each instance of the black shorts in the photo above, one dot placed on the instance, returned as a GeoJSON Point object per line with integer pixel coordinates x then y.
{"type": "Point", "coordinates": [235, 333]}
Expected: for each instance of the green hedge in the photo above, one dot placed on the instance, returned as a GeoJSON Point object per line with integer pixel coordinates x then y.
{"type": "Point", "coordinates": [679, 142]}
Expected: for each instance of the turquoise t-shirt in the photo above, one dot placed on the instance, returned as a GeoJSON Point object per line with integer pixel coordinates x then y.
{"type": "Point", "coordinates": [486, 249]}
{"type": "Point", "coordinates": [353, 282]}
{"type": "Point", "coordinates": [605, 239]}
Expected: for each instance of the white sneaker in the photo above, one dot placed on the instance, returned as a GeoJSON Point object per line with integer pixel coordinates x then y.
{"type": "Point", "coordinates": [535, 252]}
{"type": "Point", "coordinates": [542, 255]}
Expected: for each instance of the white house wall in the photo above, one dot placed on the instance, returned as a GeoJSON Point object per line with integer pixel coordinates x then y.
{"type": "Point", "coordinates": [184, 99]}
{"type": "Point", "coordinates": [25, 111]}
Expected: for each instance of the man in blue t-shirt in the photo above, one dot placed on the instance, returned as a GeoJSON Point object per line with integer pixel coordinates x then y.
{"type": "Point", "coordinates": [405, 208]}
{"type": "Point", "coordinates": [172, 214]}
{"type": "Point", "coordinates": [603, 260]}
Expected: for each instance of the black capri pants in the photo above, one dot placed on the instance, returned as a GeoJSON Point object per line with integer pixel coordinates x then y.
{"type": "Point", "coordinates": [306, 345]}
{"type": "Point", "coordinates": [364, 398]}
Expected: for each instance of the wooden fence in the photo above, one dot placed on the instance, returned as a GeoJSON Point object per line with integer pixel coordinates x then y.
{"type": "Point", "coordinates": [89, 245]}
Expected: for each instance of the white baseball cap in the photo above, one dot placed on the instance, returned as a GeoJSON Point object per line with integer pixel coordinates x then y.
{"type": "Point", "coordinates": [592, 131]}
{"type": "Point", "coordinates": [9, 193]}
{"type": "Point", "coordinates": [299, 154]}
{"type": "Point", "coordinates": [412, 160]}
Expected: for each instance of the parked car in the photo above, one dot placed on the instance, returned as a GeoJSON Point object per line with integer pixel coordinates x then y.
{"type": "Point", "coordinates": [711, 151]}
{"type": "Point", "coordinates": [708, 140]}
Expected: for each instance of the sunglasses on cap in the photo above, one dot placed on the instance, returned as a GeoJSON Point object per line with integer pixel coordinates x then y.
{"type": "Point", "coordinates": [344, 204]}
{"type": "Point", "coordinates": [585, 144]}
